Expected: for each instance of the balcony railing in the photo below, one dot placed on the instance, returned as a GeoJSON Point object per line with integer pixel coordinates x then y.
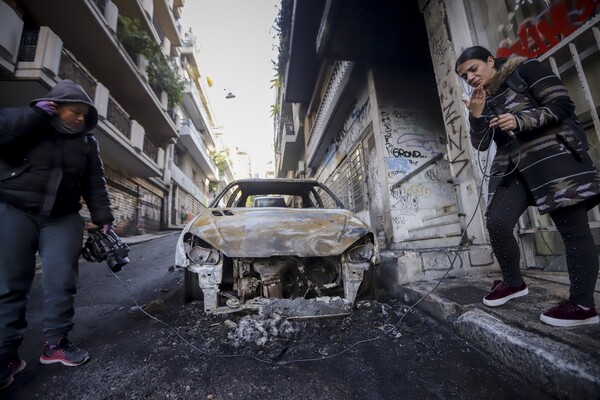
{"type": "Point", "coordinates": [187, 123]}
{"type": "Point", "coordinates": [338, 81]}
{"type": "Point", "coordinates": [119, 118]}
{"type": "Point", "coordinates": [70, 69]}
{"type": "Point", "coordinates": [150, 150]}
{"type": "Point", "coordinates": [29, 40]}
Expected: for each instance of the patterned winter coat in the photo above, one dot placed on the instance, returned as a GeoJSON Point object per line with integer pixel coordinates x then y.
{"type": "Point", "coordinates": [546, 152]}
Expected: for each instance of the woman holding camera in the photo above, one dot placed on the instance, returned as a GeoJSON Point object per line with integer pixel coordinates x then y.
{"type": "Point", "coordinates": [49, 159]}
{"type": "Point", "coordinates": [541, 161]}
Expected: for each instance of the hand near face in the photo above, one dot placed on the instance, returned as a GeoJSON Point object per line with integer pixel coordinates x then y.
{"type": "Point", "coordinates": [49, 107]}
{"type": "Point", "coordinates": [477, 102]}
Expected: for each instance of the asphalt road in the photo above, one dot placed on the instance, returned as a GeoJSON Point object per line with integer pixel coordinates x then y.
{"type": "Point", "coordinates": [182, 353]}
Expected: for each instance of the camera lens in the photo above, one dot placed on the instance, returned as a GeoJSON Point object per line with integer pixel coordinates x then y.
{"type": "Point", "coordinates": [115, 263]}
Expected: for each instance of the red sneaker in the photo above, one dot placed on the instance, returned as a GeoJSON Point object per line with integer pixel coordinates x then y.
{"type": "Point", "coordinates": [569, 313]}
{"type": "Point", "coordinates": [65, 353]}
{"type": "Point", "coordinates": [501, 293]}
{"type": "Point", "coordinates": [10, 365]}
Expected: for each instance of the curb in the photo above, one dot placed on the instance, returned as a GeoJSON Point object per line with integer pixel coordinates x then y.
{"type": "Point", "coordinates": [559, 369]}
{"type": "Point", "coordinates": [129, 240]}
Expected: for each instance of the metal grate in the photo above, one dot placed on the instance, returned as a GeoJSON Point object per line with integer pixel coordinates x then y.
{"type": "Point", "coordinates": [118, 118]}
{"type": "Point", "coordinates": [347, 182]}
{"type": "Point", "coordinates": [150, 149]}
{"type": "Point", "coordinates": [28, 46]}
{"type": "Point", "coordinates": [70, 69]}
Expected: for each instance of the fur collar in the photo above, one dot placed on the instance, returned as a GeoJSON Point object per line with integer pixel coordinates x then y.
{"type": "Point", "coordinates": [509, 66]}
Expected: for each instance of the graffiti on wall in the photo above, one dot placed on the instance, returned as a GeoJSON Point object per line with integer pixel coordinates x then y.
{"type": "Point", "coordinates": [453, 111]}
{"type": "Point", "coordinates": [353, 127]}
{"type": "Point", "coordinates": [537, 34]}
{"type": "Point", "coordinates": [411, 140]}
{"type": "Point", "coordinates": [436, 262]}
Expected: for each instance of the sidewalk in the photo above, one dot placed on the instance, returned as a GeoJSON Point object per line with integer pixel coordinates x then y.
{"type": "Point", "coordinates": [564, 361]}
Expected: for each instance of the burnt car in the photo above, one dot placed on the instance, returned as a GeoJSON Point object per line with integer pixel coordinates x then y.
{"type": "Point", "coordinates": [276, 239]}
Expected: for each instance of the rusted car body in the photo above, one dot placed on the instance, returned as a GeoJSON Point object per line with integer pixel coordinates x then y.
{"type": "Point", "coordinates": [238, 250]}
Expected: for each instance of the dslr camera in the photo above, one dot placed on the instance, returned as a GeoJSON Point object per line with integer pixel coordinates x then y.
{"type": "Point", "coordinates": [101, 246]}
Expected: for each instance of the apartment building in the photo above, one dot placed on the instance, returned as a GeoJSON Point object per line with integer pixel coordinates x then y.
{"type": "Point", "coordinates": [195, 175]}
{"type": "Point", "coordinates": [155, 141]}
{"type": "Point", "coordinates": [370, 105]}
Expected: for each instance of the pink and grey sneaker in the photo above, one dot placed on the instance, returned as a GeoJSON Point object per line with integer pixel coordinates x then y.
{"type": "Point", "coordinates": [10, 365]}
{"type": "Point", "coordinates": [65, 353]}
{"type": "Point", "coordinates": [569, 313]}
{"type": "Point", "coordinates": [501, 293]}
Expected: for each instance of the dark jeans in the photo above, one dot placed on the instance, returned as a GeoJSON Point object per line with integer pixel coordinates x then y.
{"type": "Point", "coordinates": [58, 240]}
{"type": "Point", "coordinates": [508, 203]}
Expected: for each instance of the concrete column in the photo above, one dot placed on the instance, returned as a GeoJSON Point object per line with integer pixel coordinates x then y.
{"type": "Point", "coordinates": [142, 63]}
{"type": "Point", "coordinates": [11, 28]}
{"type": "Point", "coordinates": [111, 15]}
{"type": "Point", "coordinates": [148, 6]}
{"type": "Point", "coordinates": [101, 98]}
{"type": "Point", "coordinates": [137, 135]}
{"type": "Point", "coordinates": [161, 158]}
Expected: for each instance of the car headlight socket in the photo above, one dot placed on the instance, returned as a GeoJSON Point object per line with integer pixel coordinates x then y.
{"type": "Point", "coordinates": [202, 255]}
{"type": "Point", "coordinates": [361, 253]}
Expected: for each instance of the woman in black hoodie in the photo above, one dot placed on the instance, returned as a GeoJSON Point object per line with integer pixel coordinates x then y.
{"type": "Point", "coordinates": [49, 160]}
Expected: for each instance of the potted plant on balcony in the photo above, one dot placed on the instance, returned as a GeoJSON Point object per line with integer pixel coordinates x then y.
{"type": "Point", "coordinates": [161, 76]}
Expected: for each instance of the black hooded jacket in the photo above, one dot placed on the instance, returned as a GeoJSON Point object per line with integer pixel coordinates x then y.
{"type": "Point", "coordinates": [47, 172]}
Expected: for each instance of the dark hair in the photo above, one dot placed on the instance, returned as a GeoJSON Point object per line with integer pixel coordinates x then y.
{"type": "Point", "coordinates": [474, 53]}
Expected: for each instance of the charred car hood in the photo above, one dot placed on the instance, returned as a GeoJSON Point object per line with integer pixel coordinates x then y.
{"type": "Point", "coordinates": [265, 232]}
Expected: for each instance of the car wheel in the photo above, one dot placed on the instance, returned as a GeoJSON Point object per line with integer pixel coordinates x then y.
{"type": "Point", "coordinates": [191, 287]}
{"type": "Point", "coordinates": [369, 288]}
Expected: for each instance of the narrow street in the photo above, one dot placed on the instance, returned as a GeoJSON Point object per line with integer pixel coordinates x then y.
{"type": "Point", "coordinates": [185, 354]}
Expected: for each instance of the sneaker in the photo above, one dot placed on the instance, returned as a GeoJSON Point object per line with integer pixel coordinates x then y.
{"type": "Point", "coordinates": [10, 365]}
{"type": "Point", "coordinates": [501, 293]}
{"type": "Point", "coordinates": [569, 313]}
{"type": "Point", "coordinates": [65, 353]}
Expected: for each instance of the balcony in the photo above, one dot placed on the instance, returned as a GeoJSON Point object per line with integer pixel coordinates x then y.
{"type": "Point", "coordinates": [194, 144]}
{"type": "Point", "coordinates": [70, 69]}
{"type": "Point", "coordinates": [192, 101]}
{"type": "Point", "coordinates": [121, 138]}
{"type": "Point", "coordinates": [39, 55]}
{"type": "Point", "coordinates": [188, 50]}
{"type": "Point", "coordinates": [165, 17]}
{"type": "Point", "coordinates": [108, 61]}
{"type": "Point", "coordinates": [11, 27]}
{"type": "Point", "coordinates": [291, 149]}
{"type": "Point", "coordinates": [187, 184]}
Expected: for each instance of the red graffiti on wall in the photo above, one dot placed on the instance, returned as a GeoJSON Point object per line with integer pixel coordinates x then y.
{"type": "Point", "coordinates": [537, 35]}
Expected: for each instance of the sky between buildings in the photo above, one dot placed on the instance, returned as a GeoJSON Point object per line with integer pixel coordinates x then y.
{"type": "Point", "coordinates": [236, 45]}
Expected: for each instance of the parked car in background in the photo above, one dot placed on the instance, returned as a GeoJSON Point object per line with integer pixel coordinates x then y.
{"type": "Point", "coordinates": [276, 239]}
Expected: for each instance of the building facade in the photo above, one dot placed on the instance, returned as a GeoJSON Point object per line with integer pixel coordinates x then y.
{"type": "Point", "coordinates": [370, 105]}
{"type": "Point", "coordinates": [155, 147]}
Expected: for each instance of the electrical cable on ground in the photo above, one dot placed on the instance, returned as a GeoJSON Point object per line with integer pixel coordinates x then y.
{"type": "Point", "coordinates": [355, 344]}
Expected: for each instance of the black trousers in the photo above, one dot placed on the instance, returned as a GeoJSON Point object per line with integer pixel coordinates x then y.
{"type": "Point", "coordinates": [58, 240]}
{"type": "Point", "coordinates": [507, 205]}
